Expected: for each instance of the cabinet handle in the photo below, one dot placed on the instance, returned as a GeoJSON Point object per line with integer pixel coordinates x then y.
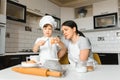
{"type": "Point", "coordinates": [36, 10]}
{"type": "Point", "coordinates": [16, 1]}
{"type": "Point", "coordinates": [102, 55]}
{"type": "Point", "coordinates": [14, 58]}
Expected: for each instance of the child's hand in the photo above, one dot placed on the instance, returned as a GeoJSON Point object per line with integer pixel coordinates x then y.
{"type": "Point", "coordinates": [41, 43]}
{"type": "Point", "coordinates": [37, 45]}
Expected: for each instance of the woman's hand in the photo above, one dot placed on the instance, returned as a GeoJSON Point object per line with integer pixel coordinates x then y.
{"type": "Point", "coordinates": [55, 40]}
{"type": "Point", "coordinates": [84, 54]}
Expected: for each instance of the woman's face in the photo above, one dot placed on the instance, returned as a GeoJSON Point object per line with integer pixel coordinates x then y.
{"type": "Point", "coordinates": [68, 32]}
{"type": "Point", "coordinates": [47, 31]}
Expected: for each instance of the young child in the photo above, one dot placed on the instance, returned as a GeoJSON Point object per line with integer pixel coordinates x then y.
{"type": "Point", "coordinates": [50, 47]}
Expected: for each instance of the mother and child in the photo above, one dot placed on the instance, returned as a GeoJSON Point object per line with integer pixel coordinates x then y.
{"type": "Point", "coordinates": [72, 42]}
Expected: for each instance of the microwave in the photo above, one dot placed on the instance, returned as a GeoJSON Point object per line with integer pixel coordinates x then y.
{"type": "Point", "coordinates": [16, 11]}
{"type": "Point", "coordinates": [105, 21]}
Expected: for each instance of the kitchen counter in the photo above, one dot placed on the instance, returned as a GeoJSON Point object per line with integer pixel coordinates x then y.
{"type": "Point", "coordinates": [102, 72]}
{"type": "Point", "coordinates": [11, 59]}
{"type": "Point", "coordinates": [18, 53]}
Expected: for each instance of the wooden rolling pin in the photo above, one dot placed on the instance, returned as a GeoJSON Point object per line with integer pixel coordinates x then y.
{"type": "Point", "coordinates": [37, 71]}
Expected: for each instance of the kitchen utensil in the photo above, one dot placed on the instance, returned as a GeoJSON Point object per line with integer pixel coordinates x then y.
{"type": "Point", "coordinates": [53, 64]}
{"type": "Point", "coordinates": [33, 57]}
{"type": "Point", "coordinates": [81, 66]}
{"type": "Point", "coordinates": [37, 71]}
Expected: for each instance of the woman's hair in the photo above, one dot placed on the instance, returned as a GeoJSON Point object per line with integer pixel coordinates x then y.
{"type": "Point", "coordinates": [72, 24]}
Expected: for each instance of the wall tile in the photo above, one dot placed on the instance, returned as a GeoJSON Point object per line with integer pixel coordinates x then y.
{"type": "Point", "coordinates": [21, 39]}
{"type": "Point", "coordinates": [111, 43]}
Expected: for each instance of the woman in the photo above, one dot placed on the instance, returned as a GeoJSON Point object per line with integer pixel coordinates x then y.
{"type": "Point", "coordinates": [79, 49]}
{"type": "Point", "coordinates": [49, 46]}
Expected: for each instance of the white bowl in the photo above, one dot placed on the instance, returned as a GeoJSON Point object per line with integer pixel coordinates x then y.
{"type": "Point", "coordinates": [24, 64]}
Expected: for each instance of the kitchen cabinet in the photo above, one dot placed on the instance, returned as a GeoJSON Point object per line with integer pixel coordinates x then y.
{"type": "Point", "coordinates": [36, 6]}
{"type": "Point", "coordinates": [108, 58]}
{"type": "Point", "coordinates": [23, 2]}
{"type": "Point", "coordinates": [119, 9]}
{"type": "Point", "coordinates": [82, 12]}
{"type": "Point", "coordinates": [84, 23]}
{"type": "Point", "coordinates": [105, 7]}
{"type": "Point", "coordinates": [40, 7]}
{"type": "Point", "coordinates": [11, 60]}
{"type": "Point", "coordinates": [53, 9]}
{"type": "Point", "coordinates": [2, 62]}
{"type": "Point", "coordinates": [23, 57]}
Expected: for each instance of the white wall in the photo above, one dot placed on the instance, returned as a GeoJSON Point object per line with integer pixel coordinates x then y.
{"type": "Point", "coordinates": [67, 14]}
{"type": "Point", "coordinates": [110, 42]}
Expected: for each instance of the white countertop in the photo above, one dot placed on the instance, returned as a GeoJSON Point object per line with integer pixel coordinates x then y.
{"type": "Point", "coordinates": [18, 53]}
{"type": "Point", "coordinates": [102, 72]}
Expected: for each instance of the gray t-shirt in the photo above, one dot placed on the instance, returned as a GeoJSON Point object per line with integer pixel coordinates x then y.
{"type": "Point", "coordinates": [74, 48]}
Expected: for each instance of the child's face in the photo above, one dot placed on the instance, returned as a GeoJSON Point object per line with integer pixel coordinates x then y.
{"type": "Point", "coordinates": [47, 31]}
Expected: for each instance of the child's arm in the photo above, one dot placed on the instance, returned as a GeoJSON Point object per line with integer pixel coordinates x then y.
{"type": "Point", "coordinates": [37, 45]}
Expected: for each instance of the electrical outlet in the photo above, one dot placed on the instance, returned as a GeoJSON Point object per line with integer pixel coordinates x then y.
{"type": "Point", "coordinates": [118, 34]}
{"type": "Point", "coordinates": [27, 28]}
{"type": "Point", "coordinates": [100, 39]}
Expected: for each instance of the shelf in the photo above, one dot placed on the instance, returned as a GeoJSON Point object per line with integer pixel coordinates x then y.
{"type": "Point", "coordinates": [103, 29]}
{"type": "Point", "coordinates": [89, 9]}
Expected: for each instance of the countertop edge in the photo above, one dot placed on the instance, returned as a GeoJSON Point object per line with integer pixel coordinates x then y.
{"type": "Point", "coordinates": [18, 53]}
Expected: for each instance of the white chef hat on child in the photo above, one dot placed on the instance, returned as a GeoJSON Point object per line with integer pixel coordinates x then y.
{"type": "Point", "coordinates": [47, 20]}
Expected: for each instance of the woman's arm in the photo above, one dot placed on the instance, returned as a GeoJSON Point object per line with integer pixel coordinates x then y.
{"type": "Point", "coordinates": [84, 54]}
{"type": "Point", "coordinates": [62, 51]}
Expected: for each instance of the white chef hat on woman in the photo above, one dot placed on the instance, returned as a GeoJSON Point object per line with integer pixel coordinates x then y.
{"type": "Point", "coordinates": [47, 20]}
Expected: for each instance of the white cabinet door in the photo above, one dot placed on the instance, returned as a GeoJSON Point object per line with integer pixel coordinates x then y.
{"type": "Point", "coordinates": [53, 9]}
{"type": "Point", "coordinates": [104, 7]}
{"type": "Point", "coordinates": [36, 6]}
{"type": "Point", "coordinates": [22, 2]}
{"type": "Point", "coordinates": [85, 23]}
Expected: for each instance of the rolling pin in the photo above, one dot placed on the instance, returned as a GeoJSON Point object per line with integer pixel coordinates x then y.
{"type": "Point", "coordinates": [37, 71]}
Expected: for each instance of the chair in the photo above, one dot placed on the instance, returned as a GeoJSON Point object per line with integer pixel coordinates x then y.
{"type": "Point", "coordinates": [97, 58]}
{"type": "Point", "coordinates": [64, 59]}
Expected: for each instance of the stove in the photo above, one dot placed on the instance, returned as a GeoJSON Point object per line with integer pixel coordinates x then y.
{"type": "Point", "coordinates": [26, 50]}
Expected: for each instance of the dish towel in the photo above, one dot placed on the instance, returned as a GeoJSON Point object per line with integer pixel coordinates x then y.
{"type": "Point", "coordinates": [37, 71]}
